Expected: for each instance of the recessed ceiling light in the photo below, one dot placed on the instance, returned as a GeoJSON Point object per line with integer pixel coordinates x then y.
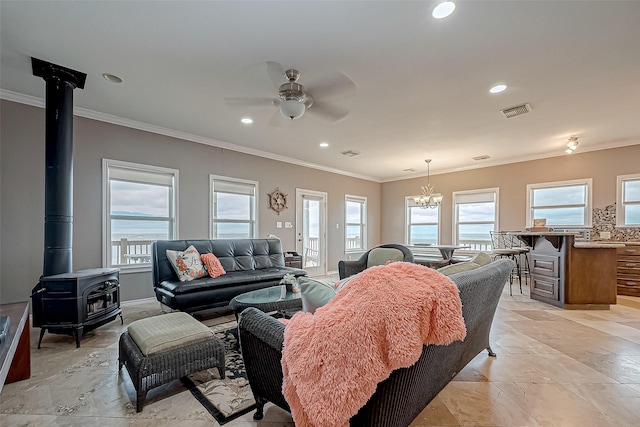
{"type": "Point", "coordinates": [497, 88]}
{"type": "Point", "coordinates": [324, 144]}
{"type": "Point", "coordinates": [112, 78]}
{"type": "Point", "coordinates": [443, 10]}
{"type": "Point", "coordinates": [246, 120]}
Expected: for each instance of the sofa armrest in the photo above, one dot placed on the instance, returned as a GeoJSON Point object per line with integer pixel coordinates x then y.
{"type": "Point", "coordinates": [261, 340]}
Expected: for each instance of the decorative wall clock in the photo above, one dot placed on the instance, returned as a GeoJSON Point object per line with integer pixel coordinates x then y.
{"type": "Point", "coordinates": [278, 201]}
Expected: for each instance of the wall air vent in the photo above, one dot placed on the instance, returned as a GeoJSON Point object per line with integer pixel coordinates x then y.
{"type": "Point", "coordinates": [485, 157]}
{"type": "Point", "coordinates": [351, 153]}
{"type": "Point", "coordinates": [516, 111]}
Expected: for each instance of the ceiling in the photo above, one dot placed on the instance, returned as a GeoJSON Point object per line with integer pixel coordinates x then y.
{"type": "Point", "coordinates": [422, 85]}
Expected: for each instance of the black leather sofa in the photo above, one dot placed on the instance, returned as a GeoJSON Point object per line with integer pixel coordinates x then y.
{"type": "Point", "coordinates": [249, 264]}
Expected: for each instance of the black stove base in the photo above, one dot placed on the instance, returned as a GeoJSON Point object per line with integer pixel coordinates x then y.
{"type": "Point", "coordinates": [78, 331]}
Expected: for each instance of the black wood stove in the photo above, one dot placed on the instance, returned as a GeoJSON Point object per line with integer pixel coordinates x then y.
{"type": "Point", "coordinates": [77, 302]}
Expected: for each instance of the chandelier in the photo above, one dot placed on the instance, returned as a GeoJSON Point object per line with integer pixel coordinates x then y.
{"type": "Point", "coordinates": [428, 199]}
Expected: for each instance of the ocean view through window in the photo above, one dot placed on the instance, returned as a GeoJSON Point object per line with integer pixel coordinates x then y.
{"type": "Point", "coordinates": [139, 205]}
{"type": "Point", "coordinates": [423, 225]}
{"type": "Point", "coordinates": [564, 204]}
{"type": "Point", "coordinates": [233, 209]}
{"type": "Point", "coordinates": [475, 216]}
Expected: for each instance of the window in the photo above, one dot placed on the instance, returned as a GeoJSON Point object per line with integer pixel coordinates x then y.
{"type": "Point", "coordinates": [422, 224]}
{"type": "Point", "coordinates": [355, 233]}
{"type": "Point", "coordinates": [565, 204]}
{"type": "Point", "coordinates": [139, 208]}
{"type": "Point", "coordinates": [233, 208]}
{"type": "Point", "coordinates": [475, 216]}
{"type": "Point", "coordinates": [628, 201]}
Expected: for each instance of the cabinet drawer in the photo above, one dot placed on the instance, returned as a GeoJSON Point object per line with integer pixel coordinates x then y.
{"type": "Point", "coordinates": [545, 265]}
{"type": "Point", "coordinates": [629, 251]}
{"type": "Point", "coordinates": [546, 287]}
{"type": "Point", "coordinates": [628, 270]}
{"type": "Point", "coordinates": [628, 279]}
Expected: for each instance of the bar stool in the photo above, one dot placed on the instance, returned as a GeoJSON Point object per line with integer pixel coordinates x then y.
{"type": "Point", "coordinates": [523, 250]}
{"type": "Point", "coordinates": [501, 248]}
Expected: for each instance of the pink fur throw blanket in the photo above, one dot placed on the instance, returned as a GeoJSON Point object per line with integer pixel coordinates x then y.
{"type": "Point", "coordinates": [333, 360]}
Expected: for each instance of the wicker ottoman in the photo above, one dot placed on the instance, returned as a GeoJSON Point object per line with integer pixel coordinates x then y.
{"type": "Point", "coordinates": [160, 349]}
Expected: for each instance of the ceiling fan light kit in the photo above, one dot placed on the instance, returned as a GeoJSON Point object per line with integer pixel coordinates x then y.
{"type": "Point", "coordinates": [292, 108]}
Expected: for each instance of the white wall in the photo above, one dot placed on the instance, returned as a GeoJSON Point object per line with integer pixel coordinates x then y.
{"type": "Point", "coordinates": [603, 166]}
{"type": "Point", "coordinates": [22, 189]}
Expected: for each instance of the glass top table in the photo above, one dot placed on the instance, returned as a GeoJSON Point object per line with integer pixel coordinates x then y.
{"type": "Point", "coordinates": [274, 298]}
{"type": "Point", "coordinates": [447, 250]}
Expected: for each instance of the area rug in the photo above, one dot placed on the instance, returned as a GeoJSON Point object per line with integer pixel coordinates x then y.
{"type": "Point", "coordinates": [229, 398]}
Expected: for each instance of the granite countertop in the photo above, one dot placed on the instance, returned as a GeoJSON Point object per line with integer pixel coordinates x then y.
{"type": "Point", "coordinates": [598, 245]}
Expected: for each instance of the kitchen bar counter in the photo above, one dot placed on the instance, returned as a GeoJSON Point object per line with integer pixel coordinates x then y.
{"type": "Point", "coordinates": [570, 274]}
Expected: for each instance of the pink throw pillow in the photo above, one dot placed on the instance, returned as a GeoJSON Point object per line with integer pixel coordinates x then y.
{"type": "Point", "coordinates": [213, 265]}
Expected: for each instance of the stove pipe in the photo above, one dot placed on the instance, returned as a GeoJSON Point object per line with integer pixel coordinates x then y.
{"type": "Point", "coordinates": [58, 189]}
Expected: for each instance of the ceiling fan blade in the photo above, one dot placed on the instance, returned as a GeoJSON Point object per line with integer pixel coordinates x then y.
{"type": "Point", "coordinates": [248, 101]}
{"type": "Point", "coordinates": [328, 112]}
{"type": "Point", "coordinates": [337, 85]}
{"type": "Point", "coordinates": [276, 74]}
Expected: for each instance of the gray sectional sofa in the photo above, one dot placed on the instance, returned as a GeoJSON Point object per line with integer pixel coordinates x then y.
{"type": "Point", "coordinates": [399, 399]}
{"type": "Point", "coordinates": [249, 264]}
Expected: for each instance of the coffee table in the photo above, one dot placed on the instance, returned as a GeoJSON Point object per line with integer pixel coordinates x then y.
{"type": "Point", "coordinates": [267, 299]}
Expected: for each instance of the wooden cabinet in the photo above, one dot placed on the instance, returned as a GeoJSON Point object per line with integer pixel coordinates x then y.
{"type": "Point", "coordinates": [293, 261]}
{"type": "Point", "coordinates": [628, 271]}
{"type": "Point", "coordinates": [571, 275]}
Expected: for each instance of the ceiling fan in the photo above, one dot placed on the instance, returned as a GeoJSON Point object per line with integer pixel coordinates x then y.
{"type": "Point", "coordinates": [294, 100]}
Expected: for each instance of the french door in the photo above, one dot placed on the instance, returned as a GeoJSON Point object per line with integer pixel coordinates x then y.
{"type": "Point", "coordinates": [311, 226]}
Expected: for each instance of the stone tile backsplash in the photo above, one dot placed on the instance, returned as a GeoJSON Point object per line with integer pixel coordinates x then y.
{"type": "Point", "coordinates": [604, 219]}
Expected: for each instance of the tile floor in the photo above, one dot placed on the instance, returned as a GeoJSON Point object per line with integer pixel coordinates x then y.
{"type": "Point", "coordinates": [554, 368]}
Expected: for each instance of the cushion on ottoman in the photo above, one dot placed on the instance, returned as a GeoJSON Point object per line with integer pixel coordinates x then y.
{"type": "Point", "coordinates": [168, 331]}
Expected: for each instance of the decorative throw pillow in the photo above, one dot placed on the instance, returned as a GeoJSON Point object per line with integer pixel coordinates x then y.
{"type": "Point", "coordinates": [460, 267]}
{"type": "Point", "coordinates": [481, 258]}
{"type": "Point", "coordinates": [314, 293]}
{"type": "Point", "coordinates": [187, 264]}
{"type": "Point", "coordinates": [213, 265]}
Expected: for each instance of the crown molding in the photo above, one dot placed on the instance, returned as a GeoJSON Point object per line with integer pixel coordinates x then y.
{"type": "Point", "coordinates": [512, 160]}
{"type": "Point", "coordinates": [146, 127]}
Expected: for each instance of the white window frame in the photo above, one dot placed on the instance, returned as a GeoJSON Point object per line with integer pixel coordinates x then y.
{"type": "Point", "coordinates": [107, 165]}
{"type": "Point", "coordinates": [254, 208]}
{"type": "Point", "coordinates": [410, 202]}
{"type": "Point", "coordinates": [362, 224]}
{"type": "Point", "coordinates": [478, 194]}
{"type": "Point", "coordinates": [588, 182]}
{"type": "Point", "coordinates": [620, 218]}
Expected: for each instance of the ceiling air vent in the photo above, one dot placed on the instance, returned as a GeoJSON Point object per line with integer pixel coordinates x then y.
{"type": "Point", "coordinates": [484, 157]}
{"type": "Point", "coordinates": [516, 111]}
{"type": "Point", "coordinates": [351, 153]}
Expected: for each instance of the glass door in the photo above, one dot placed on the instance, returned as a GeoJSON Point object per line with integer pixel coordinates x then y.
{"type": "Point", "coordinates": [311, 230]}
